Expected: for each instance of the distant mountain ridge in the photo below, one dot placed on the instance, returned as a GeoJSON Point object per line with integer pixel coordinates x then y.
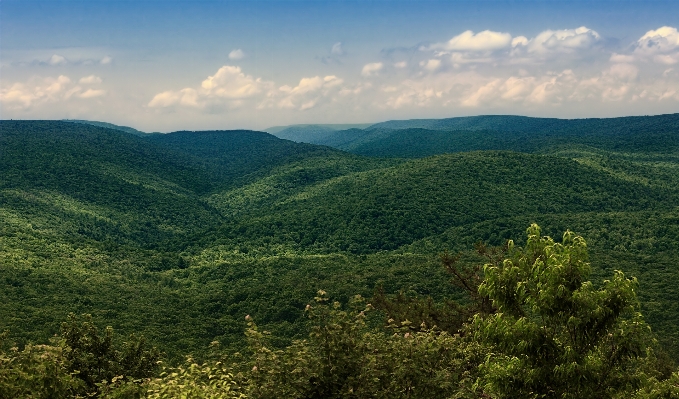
{"type": "Point", "coordinates": [107, 125]}
{"type": "Point", "coordinates": [426, 137]}
{"type": "Point", "coordinates": [311, 133]}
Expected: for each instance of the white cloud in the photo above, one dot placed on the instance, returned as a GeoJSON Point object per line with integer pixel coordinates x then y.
{"type": "Point", "coordinates": [91, 93]}
{"type": "Point", "coordinates": [660, 45]}
{"type": "Point", "coordinates": [88, 80]}
{"type": "Point", "coordinates": [230, 87]}
{"type": "Point", "coordinates": [663, 40]}
{"type": "Point", "coordinates": [624, 71]}
{"type": "Point", "coordinates": [496, 48]}
{"type": "Point", "coordinates": [401, 64]}
{"type": "Point", "coordinates": [491, 88]}
{"type": "Point", "coordinates": [312, 84]}
{"type": "Point", "coordinates": [37, 91]}
{"type": "Point", "coordinates": [431, 65]}
{"type": "Point", "coordinates": [57, 60]}
{"type": "Point", "coordinates": [481, 93]}
{"type": "Point", "coordinates": [186, 97]}
{"type": "Point", "coordinates": [227, 88]}
{"type": "Point", "coordinates": [517, 87]}
{"type": "Point", "coordinates": [236, 54]}
{"type": "Point", "coordinates": [231, 82]}
{"type": "Point", "coordinates": [561, 41]}
{"type": "Point", "coordinates": [372, 69]}
{"type": "Point", "coordinates": [519, 41]}
{"type": "Point", "coordinates": [309, 92]}
{"type": "Point", "coordinates": [106, 60]}
{"type": "Point", "coordinates": [469, 41]}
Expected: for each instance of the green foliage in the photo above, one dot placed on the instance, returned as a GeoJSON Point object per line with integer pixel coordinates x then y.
{"type": "Point", "coordinates": [345, 358]}
{"type": "Point", "coordinates": [554, 333]}
{"type": "Point", "coordinates": [192, 380]}
{"type": "Point", "coordinates": [665, 389]}
{"type": "Point", "coordinates": [37, 371]}
{"type": "Point", "coordinates": [179, 236]}
{"type": "Point", "coordinates": [93, 357]}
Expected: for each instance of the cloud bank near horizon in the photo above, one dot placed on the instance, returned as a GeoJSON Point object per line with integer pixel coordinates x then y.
{"type": "Point", "coordinates": [557, 72]}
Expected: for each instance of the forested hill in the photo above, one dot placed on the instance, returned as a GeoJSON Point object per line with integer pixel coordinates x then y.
{"type": "Point", "coordinates": [236, 156]}
{"type": "Point", "coordinates": [179, 236]}
{"type": "Point", "coordinates": [512, 123]}
{"type": "Point", "coordinates": [125, 129]}
{"type": "Point", "coordinates": [419, 138]}
{"type": "Point", "coordinates": [311, 133]}
{"type": "Point", "coordinates": [116, 187]}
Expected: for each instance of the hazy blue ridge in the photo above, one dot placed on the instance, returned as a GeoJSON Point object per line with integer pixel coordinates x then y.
{"type": "Point", "coordinates": [314, 134]}
{"type": "Point", "coordinates": [125, 129]}
{"type": "Point", "coordinates": [421, 138]}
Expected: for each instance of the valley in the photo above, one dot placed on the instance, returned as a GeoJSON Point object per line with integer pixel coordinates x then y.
{"type": "Point", "coordinates": [179, 236]}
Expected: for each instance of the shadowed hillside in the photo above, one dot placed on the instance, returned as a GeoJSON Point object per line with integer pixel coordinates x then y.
{"type": "Point", "coordinates": [178, 236]}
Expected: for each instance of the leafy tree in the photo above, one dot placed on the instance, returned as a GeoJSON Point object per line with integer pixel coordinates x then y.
{"type": "Point", "coordinates": [452, 315]}
{"type": "Point", "coordinates": [93, 357]}
{"type": "Point", "coordinates": [555, 335]}
{"type": "Point", "coordinates": [209, 380]}
{"type": "Point", "coordinates": [345, 358]}
{"type": "Point", "coordinates": [37, 371]}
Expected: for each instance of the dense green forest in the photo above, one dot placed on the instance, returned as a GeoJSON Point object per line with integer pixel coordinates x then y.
{"type": "Point", "coordinates": [177, 237]}
{"type": "Point", "coordinates": [424, 137]}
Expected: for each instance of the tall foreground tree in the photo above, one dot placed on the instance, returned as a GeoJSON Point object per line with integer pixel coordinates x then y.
{"type": "Point", "coordinates": [555, 335]}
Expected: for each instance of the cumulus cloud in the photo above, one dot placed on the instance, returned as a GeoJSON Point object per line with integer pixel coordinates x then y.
{"type": "Point", "coordinates": [91, 93]}
{"type": "Point", "coordinates": [616, 83]}
{"type": "Point", "coordinates": [660, 45]}
{"type": "Point", "coordinates": [469, 41]}
{"type": "Point", "coordinates": [372, 69]}
{"type": "Point", "coordinates": [57, 60]}
{"type": "Point", "coordinates": [185, 97]}
{"type": "Point", "coordinates": [494, 48]}
{"type": "Point", "coordinates": [309, 92]}
{"type": "Point", "coordinates": [519, 41]}
{"type": "Point", "coordinates": [532, 87]}
{"type": "Point", "coordinates": [624, 71]}
{"type": "Point", "coordinates": [665, 38]}
{"type": "Point", "coordinates": [226, 87]}
{"type": "Point", "coordinates": [560, 41]}
{"type": "Point", "coordinates": [431, 65]}
{"type": "Point", "coordinates": [416, 93]}
{"type": "Point", "coordinates": [236, 54]}
{"type": "Point", "coordinates": [230, 87]}
{"type": "Point", "coordinates": [231, 82]}
{"type": "Point", "coordinates": [24, 95]}
{"type": "Point", "coordinates": [88, 80]}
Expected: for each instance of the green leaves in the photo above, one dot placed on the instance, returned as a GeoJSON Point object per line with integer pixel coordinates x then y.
{"type": "Point", "coordinates": [345, 358]}
{"type": "Point", "coordinates": [555, 334]}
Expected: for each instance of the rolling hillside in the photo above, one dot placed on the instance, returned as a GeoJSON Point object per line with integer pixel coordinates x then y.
{"type": "Point", "coordinates": [420, 138]}
{"type": "Point", "coordinates": [178, 236]}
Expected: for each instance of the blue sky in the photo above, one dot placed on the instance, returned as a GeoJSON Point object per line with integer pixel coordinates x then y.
{"type": "Point", "coordinates": [171, 65]}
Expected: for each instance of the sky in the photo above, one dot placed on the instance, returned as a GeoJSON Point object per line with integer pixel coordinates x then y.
{"type": "Point", "coordinates": [197, 65]}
